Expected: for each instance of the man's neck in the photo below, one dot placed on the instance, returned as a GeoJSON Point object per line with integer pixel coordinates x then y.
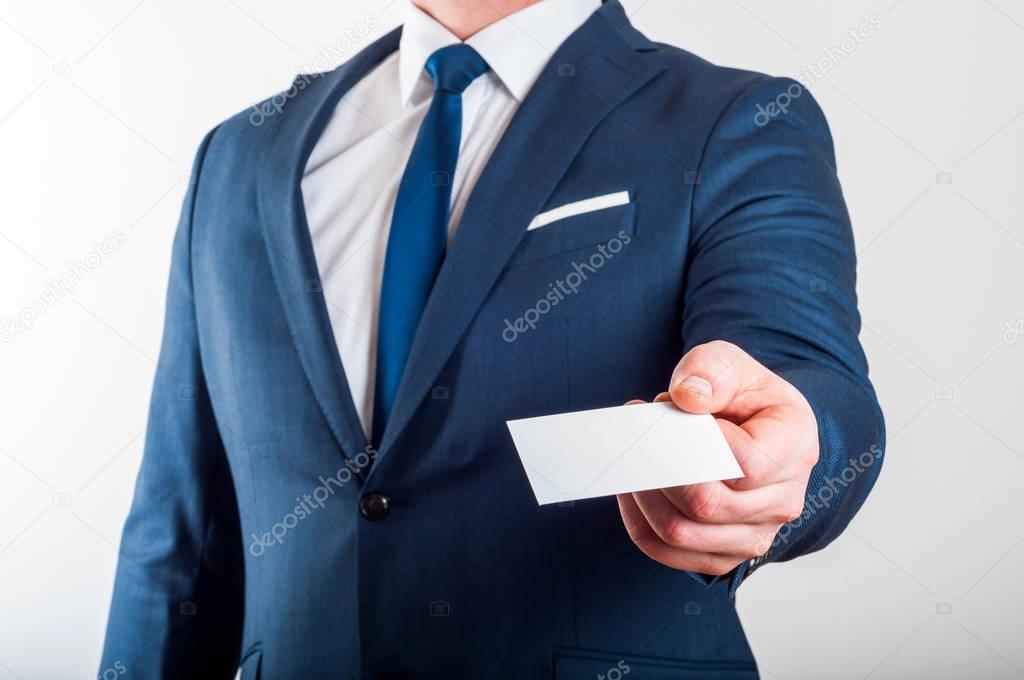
{"type": "Point", "coordinates": [465, 17]}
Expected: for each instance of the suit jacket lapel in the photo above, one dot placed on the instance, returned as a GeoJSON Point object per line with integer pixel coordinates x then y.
{"type": "Point", "coordinates": [295, 131]}
{"type": "Point", "coordinates": [598, 67]}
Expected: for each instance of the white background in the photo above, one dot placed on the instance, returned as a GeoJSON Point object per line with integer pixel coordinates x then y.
{"type": "Point", "coordinates": [104, 103]}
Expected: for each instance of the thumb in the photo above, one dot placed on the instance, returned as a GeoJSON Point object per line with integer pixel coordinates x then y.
{"type": "Point", "coordinates": [709, 377]}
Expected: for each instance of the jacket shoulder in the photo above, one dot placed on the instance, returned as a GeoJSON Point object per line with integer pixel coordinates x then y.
{"type": "Point", "coordinates": [709, 95]}
{"type": "Point", "coordinates": [711, 82]}
{"type": "Point", "coordinates": [244, 133]}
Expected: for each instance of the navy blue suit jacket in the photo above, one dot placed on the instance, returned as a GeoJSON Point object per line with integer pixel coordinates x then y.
{"type": "Point", "coordinates": [246, 543]}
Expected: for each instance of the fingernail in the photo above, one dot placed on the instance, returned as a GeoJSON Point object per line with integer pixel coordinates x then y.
{"type": "Point", "coordinates": [697, 385]}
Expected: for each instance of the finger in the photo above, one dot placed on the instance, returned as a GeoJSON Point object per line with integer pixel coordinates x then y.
{"type": "Point", "coordinates": [648, 542]}
{"type": "Point", "coordinates": [660, 514]}
{"type": "Point", "coordinates": [663, 396]}
{"type": "Point", "coordinates": [678, 531]}
{"type": "Point", "coordinates": [763, 462]}
{"type": "Point", "coordinates": [710, 376]}
{"type": "Point", "coordinates": [717, 503]}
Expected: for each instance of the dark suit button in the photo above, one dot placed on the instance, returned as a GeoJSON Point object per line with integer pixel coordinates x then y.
{"type": "Point", "coordinates": [374, 506]}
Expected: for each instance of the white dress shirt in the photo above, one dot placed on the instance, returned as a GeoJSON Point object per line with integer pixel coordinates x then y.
{"type": "Point", "coordinates": [351, 179]}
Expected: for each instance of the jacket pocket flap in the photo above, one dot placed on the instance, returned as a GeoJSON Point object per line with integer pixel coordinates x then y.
{"type": "Point", "coordinates": [573, 233]}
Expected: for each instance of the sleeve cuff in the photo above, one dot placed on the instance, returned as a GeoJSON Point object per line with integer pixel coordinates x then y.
{"type": "Point", "coordinates": [734, 577]}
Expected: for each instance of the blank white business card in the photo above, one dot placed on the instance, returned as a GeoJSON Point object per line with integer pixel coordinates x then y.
{"type": "Point", "coordinates": [588, 454]}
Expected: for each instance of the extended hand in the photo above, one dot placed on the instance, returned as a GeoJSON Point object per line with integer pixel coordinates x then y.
{"type": "Point", "coordinates": [712, 527]}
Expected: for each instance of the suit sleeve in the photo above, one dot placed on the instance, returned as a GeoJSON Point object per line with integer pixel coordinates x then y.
{"type": "Point", "coordinates": [772, 268]}
{"type": "Point", "coordinates": [177, 603]}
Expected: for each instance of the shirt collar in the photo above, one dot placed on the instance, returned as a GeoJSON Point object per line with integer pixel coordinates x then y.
{"type": "Point", "coordinates": [517, 47]}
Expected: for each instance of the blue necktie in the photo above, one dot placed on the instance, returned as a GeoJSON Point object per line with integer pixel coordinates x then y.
{"type": "Point", "coordinates": [419, 225]}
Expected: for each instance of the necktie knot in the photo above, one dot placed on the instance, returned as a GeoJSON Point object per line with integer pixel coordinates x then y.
{"type": "Point", "coordinates": [454, 67]}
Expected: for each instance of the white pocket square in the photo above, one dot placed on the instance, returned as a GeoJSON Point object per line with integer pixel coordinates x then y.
{"type": "Point", "coordinates": [578, 208]}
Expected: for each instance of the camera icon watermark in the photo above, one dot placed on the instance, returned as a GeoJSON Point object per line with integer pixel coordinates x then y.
{"type": "Point", "coordinates": [439, 178]}
{"type": "Point", "coordinates": [188, 393]}
{"type": "Point", "coordinates": [61, 69]}
{"type": "Point", "coordinates": [566, 70]}
{"type": "Point", "coordinates": [440, 392]}
{"type": "Point", "coordinates": [944, 393]}
{"type": "Point", "coordinates": [62, 501]}
{"type": "Point", "coordinates": [944, 608]}
{"type": "Point", "coordinates": [187, 609]}
{"type": "Point", "coordinates": [440, 608]}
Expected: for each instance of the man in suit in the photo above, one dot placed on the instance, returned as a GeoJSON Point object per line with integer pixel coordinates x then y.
{"type": "Point", "coordinates": [480, 218]}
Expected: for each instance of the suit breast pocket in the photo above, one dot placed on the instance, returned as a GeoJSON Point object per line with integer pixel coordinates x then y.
{"type": "Point", "coordinates": [587, 230]}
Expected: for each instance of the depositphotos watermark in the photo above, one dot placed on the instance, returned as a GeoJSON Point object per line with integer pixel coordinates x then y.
{"type": "Point", "coordinates": [309, 503]}
{"type": "Point", "coordinates": [812, 72]}
{"type": "Point", "coordinates": [616, 672]}
{"type": "Point", "coordinates": [112, 672]}
{"type": "Point", "coordinates": [562, 288]}
{"type": "Point", "coordinates": [824, 496]}
{"type": "Point", "coordinates": [1012, 332]}
{"type": "Point", "coordinates": [326, 57]}
{"type": "Point", "coordinates": [61, 286]}
{"type": "Point", "coordinates": [833, 55]}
